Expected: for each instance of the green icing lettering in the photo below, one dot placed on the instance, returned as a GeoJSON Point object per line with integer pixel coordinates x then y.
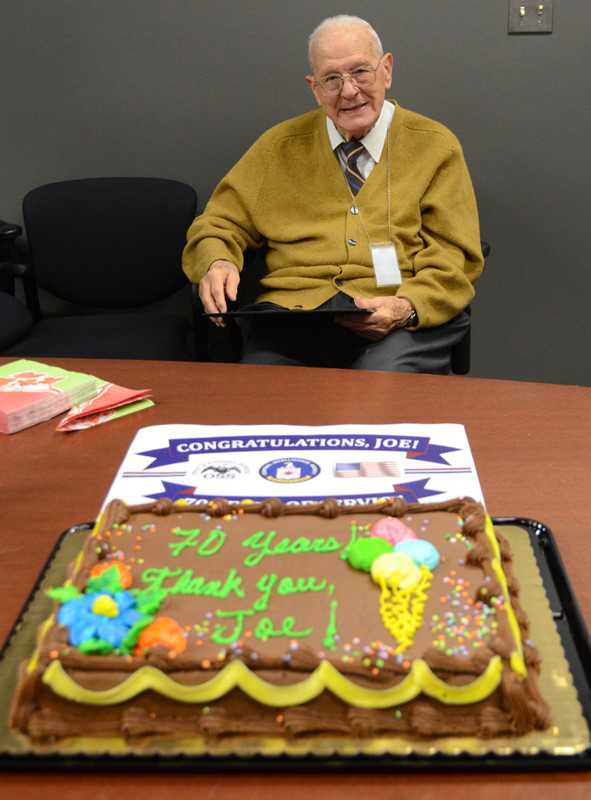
{"type": "Point", "coordinates": [288, 629]}
{"type": "Point", "coordinates": [326, 545]}
{"type": "Point", "coordinates": [281, 548]}
{"type": "Point", "coordinates": [265, 586]}
{"type": "Point", "coordinates": [301, 545]}
{"type": "Point", "coordinates": [156, 576]}
{"type": "Point", "coordinates": [218, 635]}
{"type": "Point", "coordinates": [266, 630]}
{"type": "Point", "coordinates": [262, 545]}
{"type": "Point", "coordinates": [331, 628]}
{"type": "Point", "coordinates": [212, 544]}
{"type": "Point", "coordinates": [187, 584]}
{"type": "Point", "coordinates": [230, 625]}
{"type": "Point", "coordinates": [189, 540]}
{"type": "Point", "coordinates": [258, 542]}
{"type": "Point", "coordinates": [232, 585]}
{"type": "Point", "coordinates": [300, 585]}
{"type": "Point", "coordinates": [352, 538]}
{"type": "Point", "coordinates": [196, 585]}
{"type": "Point", "coordinates": [286, 586]}
{"type": "Point", "coordinates": [212, 589]}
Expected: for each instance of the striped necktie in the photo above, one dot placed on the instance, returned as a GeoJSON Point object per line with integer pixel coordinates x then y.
{"type": "Point", "coordinates": [352, 150]}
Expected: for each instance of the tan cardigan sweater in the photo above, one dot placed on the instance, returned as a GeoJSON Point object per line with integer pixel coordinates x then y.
{"type": "Point", "coordinates": [288, 191]}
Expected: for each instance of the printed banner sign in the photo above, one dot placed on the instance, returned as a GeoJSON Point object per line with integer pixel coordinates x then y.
{"type": "Point", "coordinates": [351, 463]}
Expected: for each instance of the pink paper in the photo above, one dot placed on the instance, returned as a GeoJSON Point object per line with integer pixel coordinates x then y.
{"type": "Point", "coordinates": [95, 411]}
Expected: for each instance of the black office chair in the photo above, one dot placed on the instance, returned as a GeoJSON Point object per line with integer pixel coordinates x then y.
{"type": "Point", "coordinates": [109, 248]}
{"type": "Point", "coordinates": [15, 319]}
{"type": "Point", "coordinates": [9, 232]}
{"type": "Point", "coordinates": [461, 352]}
{"type": "Point", "coordinates": [224, 344]}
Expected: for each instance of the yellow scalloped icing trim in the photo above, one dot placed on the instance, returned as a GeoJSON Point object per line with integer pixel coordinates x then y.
{"type": "Point", "coordinates": [517, 661]}
{"type": "Point", "coordinates": [238, 675]}
{"type": "Point", "coordinates": [34, 660]}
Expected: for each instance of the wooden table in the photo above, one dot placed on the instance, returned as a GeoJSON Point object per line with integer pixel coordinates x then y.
{"type": "Point", "coordinates": [532, 447]}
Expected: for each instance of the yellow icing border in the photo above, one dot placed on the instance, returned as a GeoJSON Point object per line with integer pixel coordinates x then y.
{"type": "Point", "coordinates": [237, 675]}
{"type": "Point", "coordinates": [517, 661]}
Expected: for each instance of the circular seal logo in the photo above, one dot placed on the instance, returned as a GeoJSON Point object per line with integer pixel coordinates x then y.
{"type": "Point", "coordinates": [223, 470]}
{"type": "Point", "coordinates": [289, 470]}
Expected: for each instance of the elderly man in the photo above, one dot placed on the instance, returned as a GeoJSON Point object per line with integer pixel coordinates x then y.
{"type": "Point", "coordinates": [361, 205]}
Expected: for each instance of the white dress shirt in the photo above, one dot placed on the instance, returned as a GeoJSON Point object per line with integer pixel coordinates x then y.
{"type": "Point", "coordinates": [373, 142]}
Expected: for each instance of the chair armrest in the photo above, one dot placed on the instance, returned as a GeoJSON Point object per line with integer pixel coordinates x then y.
{"type": "Point", "coordinates": [9, 231]}
{"type": "Point", "coordinates": [200, 330]}
{"type": "Point", "coordinates": [16, 270]}
{"type": "Point", "coordinates": [9, 270]}
{"type": "Point", "coordinates": [212, 343]}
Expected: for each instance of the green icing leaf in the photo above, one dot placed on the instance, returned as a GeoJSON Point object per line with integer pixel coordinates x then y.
{"type": "Point", "coordinates": [149, 601]}
{"type": "Point", "coordinates": [96, 646]}
{"type": "Point", "coordinates": [129, 642]}
{"type": "Point", "coordinates": [64, 594]}
{"type": "Point", "coordinates": [363, 552]}
{"type": "Point", "coordinates": [107, 581]}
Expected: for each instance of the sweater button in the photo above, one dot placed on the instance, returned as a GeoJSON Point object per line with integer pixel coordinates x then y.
{"type": "Point", "coordinates": [354, 210]}
{"type": "Point", "coordinates": [352, 242]}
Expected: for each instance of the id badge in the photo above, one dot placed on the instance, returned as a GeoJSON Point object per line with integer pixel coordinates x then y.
{"type": "Point", "coordinates": [385, 264]}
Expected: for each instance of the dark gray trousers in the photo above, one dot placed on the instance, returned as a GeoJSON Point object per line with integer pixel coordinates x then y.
{"type": "Point", "coordinates": [318, 341]}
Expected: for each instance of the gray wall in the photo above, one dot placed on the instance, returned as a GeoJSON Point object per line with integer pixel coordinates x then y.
{"type": "Point", "coordinates": [180, 88]}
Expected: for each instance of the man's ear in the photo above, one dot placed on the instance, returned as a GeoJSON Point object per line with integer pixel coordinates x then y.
{"type": "Point", "coordinates": [312, 84]}
{"type": "Point", "coordinates": [388, 64]}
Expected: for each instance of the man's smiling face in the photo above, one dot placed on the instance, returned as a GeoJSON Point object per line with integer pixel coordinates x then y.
{"type": "Point", "coordinates": [354, 110]}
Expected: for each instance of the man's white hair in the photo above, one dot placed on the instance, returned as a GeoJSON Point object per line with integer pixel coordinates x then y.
{"type": "Point", "coordinates": [343, 21]}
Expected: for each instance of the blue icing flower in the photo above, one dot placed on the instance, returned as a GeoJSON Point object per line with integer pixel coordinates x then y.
{"type": "Point", "coordinates": [99, 615]}
{"type": "Point", "coordinates": [421, 552]}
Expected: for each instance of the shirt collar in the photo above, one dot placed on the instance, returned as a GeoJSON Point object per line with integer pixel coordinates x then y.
{"type": "Point", "coordinates": [375, 139]}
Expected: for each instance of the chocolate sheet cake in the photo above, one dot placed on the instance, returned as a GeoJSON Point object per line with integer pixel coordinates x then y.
{"type": "Point", "coordinates": [285, 620]}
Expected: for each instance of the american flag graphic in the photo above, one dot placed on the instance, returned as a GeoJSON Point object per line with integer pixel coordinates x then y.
{"type": "Point", "coordinates": [369, 469]}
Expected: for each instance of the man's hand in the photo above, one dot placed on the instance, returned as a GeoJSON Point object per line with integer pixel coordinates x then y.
{"type": "Point", "coordinates": [219, 283]}
{"type": "Point", "coordinates": [384, 315]}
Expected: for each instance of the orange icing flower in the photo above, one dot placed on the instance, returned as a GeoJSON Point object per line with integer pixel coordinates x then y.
{"type": "Point", "coordinates": [123, 570]}
{"type": "Point", "coordinates": [164, 631]}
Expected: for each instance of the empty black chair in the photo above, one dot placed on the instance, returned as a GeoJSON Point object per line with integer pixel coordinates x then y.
{"type": "Point", "coordinates": [109, 249]}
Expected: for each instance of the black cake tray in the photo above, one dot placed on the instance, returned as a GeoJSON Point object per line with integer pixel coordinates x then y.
{"type": "Point", "coordinates": [569, 624]}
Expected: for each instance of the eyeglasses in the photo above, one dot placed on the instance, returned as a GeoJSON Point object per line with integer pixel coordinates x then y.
{"type": "Point", "coordinates": [361, 77]}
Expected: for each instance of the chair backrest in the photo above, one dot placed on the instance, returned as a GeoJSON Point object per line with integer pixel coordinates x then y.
{"type": "Point", "coordinates": [109, 242]}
